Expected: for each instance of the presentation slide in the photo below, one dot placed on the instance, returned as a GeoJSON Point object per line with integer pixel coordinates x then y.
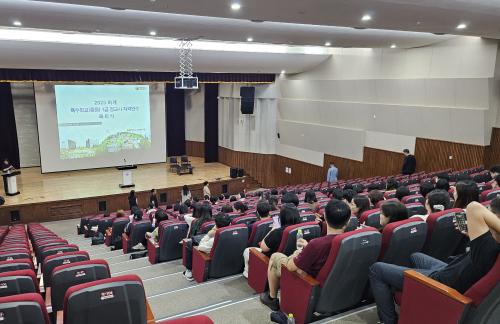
{"type": "Point", "coordinates": [99, 119]}
{"type": "Point", "coordinates": [89, 126]}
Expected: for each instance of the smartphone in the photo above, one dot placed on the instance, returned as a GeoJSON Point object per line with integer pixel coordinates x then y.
{"type": "Point", "coordinates": [461, 220]}
{"type": "Point", "coordinates": [276, 221]}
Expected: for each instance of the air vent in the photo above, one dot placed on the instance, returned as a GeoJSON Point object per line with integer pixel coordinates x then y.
{"type": "Point", "coordinates": [257, 20]}
{"type": "Point", "coordinates": [117, 8]}
{"type": "Point", "coordinates": [359, 27]}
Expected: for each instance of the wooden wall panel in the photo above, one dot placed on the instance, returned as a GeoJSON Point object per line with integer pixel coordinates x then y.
{"type": "Point", "coordinates": [492, 152]}
{"type": "Point", "coordinates": [259, 166]}
{"type": "Point", "coordinates": [195, 148]}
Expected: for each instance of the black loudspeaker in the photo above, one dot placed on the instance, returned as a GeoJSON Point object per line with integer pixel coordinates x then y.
{"type": "Point", "coordinates": [163, 197]}
{"type": "Point", "coordinates": [233, 173]}
{"type": "Point", "coordinates": [247, 95]}
{"type": "Point", "coordinates": [15, 216]}
{"type": "Point", "coordinates": [103, 206]}
{"type": "Point", "coordinates": [241, 172]}
{"type": "Point", "coordinates": [224, 188]}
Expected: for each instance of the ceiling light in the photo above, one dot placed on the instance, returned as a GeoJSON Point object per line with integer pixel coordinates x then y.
{"type": "Point", "coordinates": [283, 71]}
{"type": "Point", "coordinates": [328, 43]}
{"type": "Point", "coordinates": [152, 33]}
{"type": "Point", "coordinates": [235, 6]}
{"type": "Point", "coordinates": [17, 23]}
{"type": "Point", "coordinates": [366, 18]}
{"type": "Point", "coordinates": [462, 26]}
{"type": "Point", "coordinates": [249, 39]}
{"type": "Point", "coordinates": [393, 46]}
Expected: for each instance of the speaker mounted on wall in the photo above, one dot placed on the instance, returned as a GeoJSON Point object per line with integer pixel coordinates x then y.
{"type": "Point", "coordinates": [247, 95]}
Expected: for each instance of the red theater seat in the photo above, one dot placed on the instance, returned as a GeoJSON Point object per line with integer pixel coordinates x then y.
{"type": "Point", "coordinates": [137, 235]}
{"type": "Point", "coordinates": [23, 309]}
{"type": "Point", "coordinates": [170, 233]}
{"type": "Point", "coordinates": [259, 231]}
{"type": "Point", "coordinates": [442, 237]}
{"type": "Point", "coordinates": [489, 194]}
{"type": "Point", "coordinates": [425, 300]}
{"type": "Point", "coordinates": [56, 260]}
{"type": "Point", "coordinates": [371, 218]}
{"type": "Point", "coordinates": [413, 199]}
{"type": "Point", "coordinates": [339, 284]}
{"type": "Point", "coordinates": [199, 319]}
{"type": "Point", "coordinates": [18, 282]}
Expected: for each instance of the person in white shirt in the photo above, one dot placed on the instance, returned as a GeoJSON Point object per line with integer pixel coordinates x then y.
{"type": "Point", "coordinates": [207, 242]}
{"type": "Point", "coordinates": [185, 194]}
{"type": "Point", "coordinates": [437, 200]}
{"type": "Point", "coordinates": [206, 189]}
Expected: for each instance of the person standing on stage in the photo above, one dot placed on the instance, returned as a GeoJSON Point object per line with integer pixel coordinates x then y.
{"type": "Point", "coordinates": [409, 163]}
{"type": "Point", "coordinates": [332, 173]}
{"type": "Point", "coordinates": [206, 189]}
{"type": "Point", "coordinates": [132, 199]}
{"type": "Point", "coordinates": [6, 166]}
{"type": "Point", "coordinates": [153, 198]}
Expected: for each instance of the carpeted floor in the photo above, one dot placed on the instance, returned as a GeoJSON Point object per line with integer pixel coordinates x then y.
{"type": "Point", "coordinates": [226, 300]}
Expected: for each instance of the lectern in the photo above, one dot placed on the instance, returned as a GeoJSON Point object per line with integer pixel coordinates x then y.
{"type": "Point", "coordinates": [127, 175]}
{"type": "Point", "coordinates": [10, 183]}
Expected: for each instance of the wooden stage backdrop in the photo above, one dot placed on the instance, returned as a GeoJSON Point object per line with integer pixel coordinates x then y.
{"type": "Point", "coordinates": [72, 194]}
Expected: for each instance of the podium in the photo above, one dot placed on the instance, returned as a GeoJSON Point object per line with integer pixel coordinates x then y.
{"type": "Point", "coordinates": [10, 183]}
{"type": "Point", "coordinates": [127, 175]}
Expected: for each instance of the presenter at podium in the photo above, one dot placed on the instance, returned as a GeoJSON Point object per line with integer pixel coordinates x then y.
{"type": "Point", "coordinates": [9, 174]}
{"type": "Point", "coordinates": [6, 166]}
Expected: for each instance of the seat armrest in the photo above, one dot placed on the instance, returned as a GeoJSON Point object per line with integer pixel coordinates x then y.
{"type": "Point", "coordinates": [298, 294]}
{"type": "Point", "coordinates": [201, 265]}
{"type": "Point", "coordinates": [125, 243]}
{"type": "Point", "coordinates": [442, 303]}
{"type": "Point", "coordinates": [150, 316]}
{"type": "Point", "coordinates": [48, 299]}
{"type": "Point", "coordinates": [153, 251]}
{"type": "Point", "coordinates": [258, 263]}
{"type": "Point", "coordinates": [60, 317]}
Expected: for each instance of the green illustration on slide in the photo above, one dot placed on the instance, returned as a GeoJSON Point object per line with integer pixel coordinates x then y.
{"type": "Point", "coordinates": [113, 143]}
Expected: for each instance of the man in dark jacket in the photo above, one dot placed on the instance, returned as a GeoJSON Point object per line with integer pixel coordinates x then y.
{"type": "Point", "coordinates": [409, 163]}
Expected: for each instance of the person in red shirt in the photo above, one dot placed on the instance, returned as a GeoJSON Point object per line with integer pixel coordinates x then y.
{"type": "Point", "coordinates": [309, 257]}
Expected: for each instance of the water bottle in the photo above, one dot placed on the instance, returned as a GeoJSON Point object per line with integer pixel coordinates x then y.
{"type": "Point", "coordinates": [290, 319]}
{"type": "Point", "coordinates": [299, 236]}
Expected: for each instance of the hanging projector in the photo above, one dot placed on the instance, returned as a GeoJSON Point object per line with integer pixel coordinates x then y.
{"type": "Point", "coordinates": [186, 80]}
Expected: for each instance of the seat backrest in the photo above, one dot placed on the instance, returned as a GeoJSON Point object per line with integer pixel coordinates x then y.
{"type": "Point", "coordinates": [371, 218]}
{"type": "Point", "coordinates": [259, 231]}
{"type": "Point", "coordinates": [138, 232]}
{"type": "Point", "coordinates": [18, 282]}
{"type": "Point", "coordinates": [413, 199]}
{"type": "Point", "coordinates": [352, 253]}
{"type": "Point", "coordinates": [306, 217]}
{"type": "Point", "coordinates": [442, 237]}
{"type": "Point", "coordinates": [17, 264]}
{"type": "Point", "coordinates": [490, 194]}
{"type": "Point", "coordinates": [485, 285]}
{"type": "Point", "coordinates": [23, 309]}
{"type": "Point", "coordinates": [206, 227]}
{"type": "Point", "coordinates": [352, 224]}
{"type": "Point", "coordinates": [247, 220]}
{"type": "Point", "coordinates": [15, 254]}
{"type": "Point", "coordinates": [401, 239]}
{"type": "Point", "coordinates": [416, 209]}
{"type": "Point", "coordinates": [72, 274]}
{"type": "Point", "coordinates": [53, 261]}
{"type": "Point", "coordinates": [59, 249]}
{"type": "Point", "coordinates": [118, 228]}
{"type": "Point", "coordinates": [289, 238]}
{"type": "Point", "coordinates": [104, 301]}
{"type": "Point", "coordinates": [104, 223]}
{"type": "Point", "coordinates": [228, 247]}
{"type": "Point", "coordinates": [380, 203]}
{"type": "Point", "coordinates": [170, 234]}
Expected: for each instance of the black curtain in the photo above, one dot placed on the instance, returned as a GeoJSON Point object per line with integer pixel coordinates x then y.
{"type": "Point", "coordinates": [211, 123]}
{"type": "Point", "coordinates": [8, 133]}
{"type": "Point", "coordinates": [125, 76]}
{"type": "Point", "coordinates": [176, 120]}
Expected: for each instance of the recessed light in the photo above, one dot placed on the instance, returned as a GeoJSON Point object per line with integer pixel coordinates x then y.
{"type": "Point", "coordinates": [249, 39]}
{"type": "Point", "coordinates": [328, 43]}
{"type": "Point", "coordinates": [393, 46]}
{"type": "Point", "coordinates": [366, 18]}
{"type": "Point", "coordinates": [152, 33]}
{"type": "Point", "coordinates": [461, 26]}
{"type": "Point", "coordinates": [283, 71]}
{"type": "Point", "coordinates": [235, 6]}
{"type": "Point", "coordinates": [17, 23]}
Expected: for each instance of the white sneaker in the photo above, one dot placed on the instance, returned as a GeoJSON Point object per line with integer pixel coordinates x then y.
{"type": "Point", "coordinates": [138, 246]}
{"type": "Point", "coordinates": [188, 275]}
{"type": "Point", "coordinates": [245, 274]}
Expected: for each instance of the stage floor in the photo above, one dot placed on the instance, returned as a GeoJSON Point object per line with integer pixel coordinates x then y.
{"type": "Point", "coordinates": [36, 187]}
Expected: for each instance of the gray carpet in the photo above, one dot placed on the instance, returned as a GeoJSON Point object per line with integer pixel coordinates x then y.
{"type": "Point", "coordinates": [224, 300]}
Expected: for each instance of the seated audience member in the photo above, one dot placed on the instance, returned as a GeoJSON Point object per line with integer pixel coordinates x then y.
{"type": "Point", "coordinates": [204, 215]}
{"type": "Point", "coordinates": [273, 201]}
{"type": "Point", "coordinates": [263, 209]}
{"type": "Point", "coordinates": [463, 177]}
{"type": "Point", "coordinates": [134, 217]}
{"type": "Point", "coordinates": [274, 192]}
{"type": "Point", "coordinates": [375, 196]}
{"type": "Point", "coordinates": [391, 185]}
{"type": "Point", "coordinates": [311, 200]}
{"type": "Point", "coordinates": [289, 215]}
{"type": "Point", "coordinates": [221, 197]}
{"type": "Point", "coordinates": [359, 205]}
{"type": "Point", "coordinates": [206, 197]}
{"type": "Point", "coordinates": [392, 211]}
{"type": "Point", "coordinates": [348, 186]}
{"type": "Point", "coordinates": [206, 243]}
{"type": "Point", "coordinates": [160, 216]}
{"type": "Point", "coordinates": [196, 199]}
{"type": "Point", "coordinates": [240, 207]}
{"type": "Point", "coordinates": [465, 192]}
{"type": "Point", "coordinates": [153, 198]}
{"type": "Point", "coordinates": [233, 199]}
{"type": "Point", "coordinates": [495, 183]}
{"type": "Point", "coordinates": [425, 188]}
{"type": "Point", "coordinates": [290, 198]}
{"type": "Point", "coordinates": [227, 209]}
{"type": "Point", "coordinates": [213, 200]}
{"type": "Point", "coordinates": [226, 195]}
{"type": "Point", "coordinates": [402, 192]}
{"type": "Point", "coordinates": [460, 274]}
{"type": "Point", "coordinates": [337, 193]}
{"type": "Point", "coordinates": [242, 196]}
{"type": "Point", "coordinates": [443, 184]}
{"type": "Point", "coordinates": [436, 201]}
{"type": "Point", "coordinates": [347, 195]}
{"type": "Point", "coordinates": [311, 256]}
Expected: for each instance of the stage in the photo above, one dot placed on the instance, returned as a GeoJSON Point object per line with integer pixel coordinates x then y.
{"type": "Point", "coordinates": [70, 194]}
